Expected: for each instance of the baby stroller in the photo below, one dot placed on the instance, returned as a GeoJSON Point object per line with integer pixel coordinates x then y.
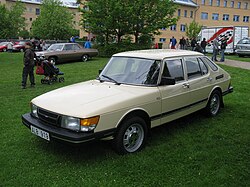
{"type": "Point", "coordinates": [50, 71]}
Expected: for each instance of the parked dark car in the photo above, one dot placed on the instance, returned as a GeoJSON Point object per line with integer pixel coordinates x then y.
{"type": "Point", "coordinates": [65, 52]}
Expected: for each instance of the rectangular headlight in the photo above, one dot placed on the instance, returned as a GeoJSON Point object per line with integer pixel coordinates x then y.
{"type": "Point", "coordinates": [34, 110]}
{"type": "Point", "coordinates": [70, 123]}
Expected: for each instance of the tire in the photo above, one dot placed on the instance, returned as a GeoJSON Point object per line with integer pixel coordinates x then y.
{"type": "Point", "coordinates": [85, 58]}
{"type": "Point", "coordinates": [53, 59]}
{"type": "Point", "coordinates": [61, 79]}
{"type": "Point", "coordinates": [4, 50]}
{"type": "Point", "coordinates": [214, 103]}
{"type": "Point", "coordinates": [21, 50]}
{"type": "Point", "coordinates": [131, 136]}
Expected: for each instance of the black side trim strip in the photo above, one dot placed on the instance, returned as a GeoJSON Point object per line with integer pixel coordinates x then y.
{"type": "Point", "coordinates": [219, 76]}
{"type": "Point", "coordinates": [230, 90]}
{"type": "Point", "coordinates": [176, 110]}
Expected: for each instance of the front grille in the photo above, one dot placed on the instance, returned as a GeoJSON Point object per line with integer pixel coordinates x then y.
{"type": "Point", "coordinates": [48, 117]}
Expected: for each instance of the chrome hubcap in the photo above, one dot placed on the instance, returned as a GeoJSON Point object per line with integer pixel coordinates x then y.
{"type": "Point", "coordinates": [133, 137]}
{"type": "Point", "coordinates": [214, 105]}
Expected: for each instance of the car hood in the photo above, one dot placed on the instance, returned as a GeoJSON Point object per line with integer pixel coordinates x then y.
{"type": "Point", "coordinates": [94, 98]}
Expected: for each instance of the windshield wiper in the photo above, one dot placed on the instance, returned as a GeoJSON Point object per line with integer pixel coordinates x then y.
{"type": "Point", "coordinates": [111, 79]}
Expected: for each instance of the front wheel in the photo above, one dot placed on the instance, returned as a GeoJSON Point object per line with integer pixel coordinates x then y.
{"type": "Point", "coordinates": [131, 136]}
{"type": "Point", "coordinates": [52, 60]}
{"type": "Point", "coordinates": [214, 103]}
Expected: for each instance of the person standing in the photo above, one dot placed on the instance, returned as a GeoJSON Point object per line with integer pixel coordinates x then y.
{"type": "Point", "coordinates": [28, 69]}
{"type": "Point", "coordinates": [193, 44]}
{"type": "Point", "coordinates": [203, 45]}
{"type": "Point", "coordinates": [10, 47]}
{"type": "Point", "coordinates": [87, 44]}
{"type": "Point", "coordinates": [223, 47]}
{"type": "Point", "coordinates": [173, 43]}
{"type": "Point", "coordinates": [215, 49]}
{"type": "Point", "coordinates": [182, 43]}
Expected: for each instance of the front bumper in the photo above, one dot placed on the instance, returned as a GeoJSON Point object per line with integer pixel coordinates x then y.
{"type": "Point", "coordinates": [230, 90]}
{"type": "Point", "coordinates": [57, 133]}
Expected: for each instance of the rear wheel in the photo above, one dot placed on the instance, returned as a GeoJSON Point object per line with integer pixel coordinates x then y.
{"type": "Point", "coordinates": [214, 103]}
{"type": "Point", "coordinates": [4, 50]}
{"type": "Point", "coordinates": [131, 135]}
{"type": "Point", "coordinates": [21, 50]}
{"type": "Point", "coordinates": [85, 58]}
{"type": "Point", "coordinates": [61, 79]}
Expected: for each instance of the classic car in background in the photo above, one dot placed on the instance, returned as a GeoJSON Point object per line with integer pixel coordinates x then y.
{"type": "Point", "coordinates": [65, 52]}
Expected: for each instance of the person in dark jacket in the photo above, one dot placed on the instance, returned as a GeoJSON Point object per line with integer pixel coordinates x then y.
{"type": "Point", "coordinates": [28, 69]}
{"type": "Point", "coordinates": [223, 47]}
{"type": "Point", "coordinates": [193, 44]}
{"type": "Point", "coordinates": [203, 45]}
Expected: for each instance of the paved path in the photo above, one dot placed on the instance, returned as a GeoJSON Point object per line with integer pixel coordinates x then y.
{"type": "Point", "coordinates": [235, 63]}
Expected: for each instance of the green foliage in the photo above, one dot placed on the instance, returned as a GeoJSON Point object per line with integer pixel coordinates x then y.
{"type": "Point", "coordinates": [54, 22]}
{"type": "Point", "coordinates": [193, 151]}
{"type": "Point", "coordinates": [24, 34]}
{"type": "Point", "coordinates": [193, 29]}
{"type": "Point", "coordinates": [12, 21]}
{"type": "Point", "coordinates": [114, 19]}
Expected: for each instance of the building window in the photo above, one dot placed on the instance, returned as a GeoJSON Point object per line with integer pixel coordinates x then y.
{"type": "Point", "coordinates": [217, 2]}
{"type": "Point", "coordinates": [211, 2]}
{"type": "Point", "coordinates": [215, 16]}
{"type": "Point", "coordinates": [162, 40]}
{"type": "Point", "coordinates": [236, 18]}
{"type": "Point", "coordinates": [30, 19]}
{"type": "Point", "coordinates": [183, 28]}
{"type": "Point", "coordinates": [179, 12]}
{"type": "Point", "coordinates": [232, 4]}
{"type": "Point", "coordinates": [185, 13]}
{"type": "Point", "coordinates": [173, 28]}
{"type": "Point", "coordinates": [246, 6]}
{"type": "Point", "coordinates": [225, 3]}
{"type": "Point", "coordinates": [203, 2]}
{"type": "Point", "coordinates": [191, 14]}
{"type": "Point", "coordinates": [204, 15]}
{"type": "Point", "coordinates": [37, 11]}
{"type": "Point", "coordinates": [239, 4]}
{"type": "Point", "coordinates": [225, 17]}
{"type": "Point", "coordinates": [246, 19]}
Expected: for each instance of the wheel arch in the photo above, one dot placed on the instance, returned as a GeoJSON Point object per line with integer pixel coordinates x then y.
{"type": "Point", "coordinates": [136, 112]}
{"type": "Point", "coordinates": [221, 97]}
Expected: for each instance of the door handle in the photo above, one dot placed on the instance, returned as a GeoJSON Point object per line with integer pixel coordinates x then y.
{"type": "Point", "coordinates": [185, 85]}
{"type": "Point", "coordinates": [209, 79]}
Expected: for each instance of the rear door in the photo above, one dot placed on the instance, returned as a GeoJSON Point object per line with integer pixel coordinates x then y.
{"type": "Point", "coordinates": [199, 81]}
{"type": "Point", "coordinates": [175, 98]}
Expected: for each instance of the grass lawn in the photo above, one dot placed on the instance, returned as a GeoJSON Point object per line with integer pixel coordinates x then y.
{"type": "Point", "coordinates": [192, 151]}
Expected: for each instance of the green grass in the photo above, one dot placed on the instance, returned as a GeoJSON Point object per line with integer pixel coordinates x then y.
{"type": "Point", "coordinates": [192, 151]}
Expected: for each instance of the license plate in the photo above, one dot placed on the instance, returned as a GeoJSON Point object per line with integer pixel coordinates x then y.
{"type": "Point", "coordinates": [40, 133]}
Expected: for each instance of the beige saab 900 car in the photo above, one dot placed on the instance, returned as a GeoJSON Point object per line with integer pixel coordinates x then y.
{"type": "Point", "coordinates": [136, 91]}
{"type": "Point", "coordinates": [65, 52]}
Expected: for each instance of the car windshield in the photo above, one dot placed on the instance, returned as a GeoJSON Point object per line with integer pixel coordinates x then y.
{"type": "Point", "coordinates": [136, 71]}
{"type": "Point", "coordinates": [244, 41]}
{"type": "Point", "coordinates": [57, 47]}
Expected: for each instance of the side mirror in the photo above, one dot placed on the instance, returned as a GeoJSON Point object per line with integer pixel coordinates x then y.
{"type": "Point", "coordinates": [167, 81]}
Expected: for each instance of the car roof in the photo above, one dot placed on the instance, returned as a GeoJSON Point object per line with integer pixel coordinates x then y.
{"type": "Point", "coordinates": [62, 43]}
{"type": "Point", "coordinates": [158, 53]}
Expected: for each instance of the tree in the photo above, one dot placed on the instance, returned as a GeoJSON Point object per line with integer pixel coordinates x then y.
{"type": "Point", "coordinates": [193, 29]}
{"type": "Point", "coordinates": [54, 22]}
{"type": "Point", "coordinates": [12, 21]}
{"type": "Point", "coordinates": [117, 18]}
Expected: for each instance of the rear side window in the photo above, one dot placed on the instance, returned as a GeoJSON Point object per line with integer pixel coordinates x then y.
{"type": "Point", "coordinates": [193, 68]}
{"type": "Point", "coordinates": [210, 63]}
{"type": "Point", "coordinates": [173, 68]}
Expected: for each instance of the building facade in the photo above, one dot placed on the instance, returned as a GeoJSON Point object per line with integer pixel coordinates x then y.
{"type": "Point", "coordinates": [33, 8]}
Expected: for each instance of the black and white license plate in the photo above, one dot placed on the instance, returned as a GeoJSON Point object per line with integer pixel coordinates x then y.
{"type": "Point", "coordinates": [41, 133]}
